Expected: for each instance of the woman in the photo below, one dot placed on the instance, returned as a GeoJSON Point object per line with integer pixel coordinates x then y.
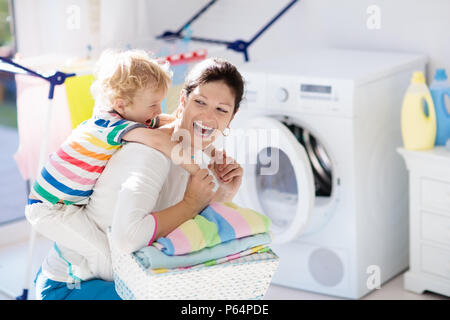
{"type": "Point", "coordinates": [142, 194]}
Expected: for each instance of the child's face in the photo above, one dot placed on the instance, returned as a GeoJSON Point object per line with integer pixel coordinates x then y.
{"type": "Point", "coordinates": [146, 105]}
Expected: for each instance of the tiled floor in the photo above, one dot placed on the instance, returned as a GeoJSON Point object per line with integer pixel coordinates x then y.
{"type": "Point", "coordinates": [12, 271]}
{"type": "Point", "coordinates": [13, 263]}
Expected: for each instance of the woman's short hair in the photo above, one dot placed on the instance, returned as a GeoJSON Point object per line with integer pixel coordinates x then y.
{"type": "Point", "coordinates": [119, 74]}
{"type": "Point", "coordinates": [216, 69]}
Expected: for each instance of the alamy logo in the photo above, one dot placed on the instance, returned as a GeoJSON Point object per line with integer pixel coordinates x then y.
{"type": "Point", "coordinates": [73, 21]}
{"type": "Point", "coordinates": [374, 20]}
{"type": "Point", "coordinates": [252, 146]}
{"type": "Point", "coordinates": [374, 279]}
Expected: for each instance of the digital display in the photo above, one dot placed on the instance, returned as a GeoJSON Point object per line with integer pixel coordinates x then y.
{"type": "Point", "coordinates": [313, 88]}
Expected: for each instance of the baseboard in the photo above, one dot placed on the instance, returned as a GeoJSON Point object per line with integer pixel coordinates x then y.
{"type": "Point", "coordinates": [420, 282]}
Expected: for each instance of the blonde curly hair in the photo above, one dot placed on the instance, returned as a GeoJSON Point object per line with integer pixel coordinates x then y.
{"type": "Point", "coordinates": [119, 74]}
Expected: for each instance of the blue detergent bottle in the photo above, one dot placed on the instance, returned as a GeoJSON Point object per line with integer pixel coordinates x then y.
{"type": "Point", "coordinates": [440, 86]}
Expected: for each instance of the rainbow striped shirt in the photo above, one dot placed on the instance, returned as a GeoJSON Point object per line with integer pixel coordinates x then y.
{"type": "Point", "coordinates": [72, 171]}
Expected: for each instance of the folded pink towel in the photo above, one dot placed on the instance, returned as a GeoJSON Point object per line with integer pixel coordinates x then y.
{"type": "Point", "coordinates": [217, 223]}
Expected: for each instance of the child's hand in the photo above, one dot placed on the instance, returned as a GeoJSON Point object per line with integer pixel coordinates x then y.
{"type": "Point", "coordinates": [165, 119]}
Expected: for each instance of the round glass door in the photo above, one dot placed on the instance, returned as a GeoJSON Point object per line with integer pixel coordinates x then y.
{"type": "Point", "coordinates": [278, 180]}
{"type": "Point", "coordinates": [277, 193]}
{"type": "Point", "coordinates": [320, 161]}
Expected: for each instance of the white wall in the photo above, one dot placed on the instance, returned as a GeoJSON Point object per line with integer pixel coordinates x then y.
{"type": "Point", "coordinates": [405, 25]}
{"type": "Point", "coordinates": [41, 27]}
{"type": "Point", "coordinates": [67, 27]}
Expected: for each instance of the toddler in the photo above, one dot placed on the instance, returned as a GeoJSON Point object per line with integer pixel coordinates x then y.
{"type": "Point", "coordinates": [128, 93]}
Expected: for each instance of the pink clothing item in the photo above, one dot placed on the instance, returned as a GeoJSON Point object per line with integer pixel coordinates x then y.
{"type": "Point", "coordinates": [215, 224]}
{"type": "Point", "coordinates": [32, 103]}
{"type": "Point", "coordinates": [180, 241]}
{"type": "Point", "coordinates": [69, 174]}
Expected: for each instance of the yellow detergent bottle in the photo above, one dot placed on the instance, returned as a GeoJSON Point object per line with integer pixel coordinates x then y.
{"type": "Point", "coordinates": [418, 115]}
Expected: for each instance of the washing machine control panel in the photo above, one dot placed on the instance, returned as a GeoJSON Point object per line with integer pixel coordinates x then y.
{"type": "Point", "coordinates": [282, 94]}
{"type": "Point", "coordinates": [298, 94]}
{"type": "Point", "coordinates": [310, 95]}
{"type": "Point", "coordinates": [317, 91]}
{"type": "Point", "coordinates": [254, 91]}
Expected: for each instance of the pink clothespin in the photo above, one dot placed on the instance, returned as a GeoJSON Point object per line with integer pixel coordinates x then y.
{"type": "Point", "coordinates": [188, 57]}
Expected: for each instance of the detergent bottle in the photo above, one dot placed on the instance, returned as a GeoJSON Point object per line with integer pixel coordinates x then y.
{"type": "Point", "coordinates": [438, 89]}
{"type": "Point", "coordinates": [418, 117]}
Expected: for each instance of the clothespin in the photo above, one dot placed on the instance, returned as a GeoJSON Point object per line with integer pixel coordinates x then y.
{"type": "Point", "coordinates": [187, 57]}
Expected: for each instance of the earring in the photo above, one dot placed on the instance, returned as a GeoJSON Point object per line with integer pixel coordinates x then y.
{"type": "Point", "coordinates": [227, 132]}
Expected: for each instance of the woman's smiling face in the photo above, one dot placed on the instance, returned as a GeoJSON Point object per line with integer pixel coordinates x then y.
{"type": "Point", "coordinates": [207, 111]}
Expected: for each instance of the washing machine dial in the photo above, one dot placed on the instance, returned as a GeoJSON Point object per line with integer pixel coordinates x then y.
{"type": "Point", "coordinates": [281, 94]}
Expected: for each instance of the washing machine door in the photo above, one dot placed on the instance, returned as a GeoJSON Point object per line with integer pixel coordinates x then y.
{"type": "Point", "coordinates": [278, 180]}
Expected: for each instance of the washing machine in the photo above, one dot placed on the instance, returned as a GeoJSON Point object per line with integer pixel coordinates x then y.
{"type": "Point", "coordinates": [316, 135]}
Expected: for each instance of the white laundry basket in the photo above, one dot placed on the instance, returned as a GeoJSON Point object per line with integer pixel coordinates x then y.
{"type": "Point", "coordinates": [243, 278]}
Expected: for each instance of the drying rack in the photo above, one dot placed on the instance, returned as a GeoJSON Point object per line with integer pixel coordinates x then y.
{"type": "Point", "coordinates": [239, 45]}
{"type": "Point", "coordinates": [57, 78]}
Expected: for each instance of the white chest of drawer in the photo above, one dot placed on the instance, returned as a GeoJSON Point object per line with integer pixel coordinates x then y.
{"type": "Point", "coordinates": [429, 220]}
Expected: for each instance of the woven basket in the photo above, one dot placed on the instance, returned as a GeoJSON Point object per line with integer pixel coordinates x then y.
{"type": "Point", "coordinates": [240, 279]}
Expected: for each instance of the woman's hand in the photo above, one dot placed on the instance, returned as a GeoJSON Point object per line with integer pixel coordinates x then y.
{"type": "Point", "coordinates": [199, 192]}
{"type": "Point", "coordinates": [229, 174]}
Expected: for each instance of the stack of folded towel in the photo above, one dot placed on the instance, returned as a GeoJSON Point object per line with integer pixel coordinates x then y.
{"type": "Point", "coordinates": [220, 233]}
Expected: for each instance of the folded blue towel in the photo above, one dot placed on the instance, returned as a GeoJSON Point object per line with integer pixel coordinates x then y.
{"type": "Point", "coordinates": [151, 257]}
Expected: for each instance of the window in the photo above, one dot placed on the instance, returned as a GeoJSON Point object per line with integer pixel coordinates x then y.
{"type": "Point", "coordinates": [13, 190]}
